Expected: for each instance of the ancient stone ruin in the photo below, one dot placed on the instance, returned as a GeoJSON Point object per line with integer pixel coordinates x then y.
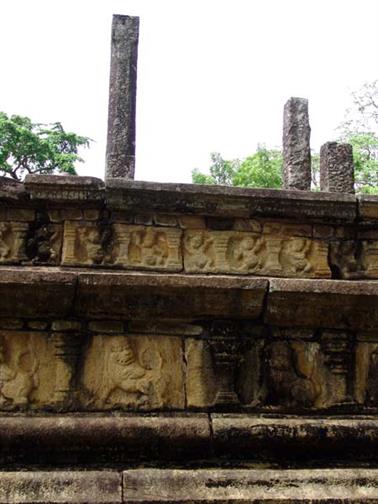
{"type": "Point", "coordinates": [181, 343]}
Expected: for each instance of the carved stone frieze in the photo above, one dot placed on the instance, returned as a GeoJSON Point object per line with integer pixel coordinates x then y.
{"type": "Point", "coordinates": [12, 242]}
{"type": "Point", "coordinates": [147, 247]}
{"type": "Point", "coordinates": [133, 372]}
{"type": "Point", "coordinates": [253, 253]}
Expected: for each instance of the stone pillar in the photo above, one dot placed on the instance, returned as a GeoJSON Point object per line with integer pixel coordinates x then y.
{"type": "Point", "coordinates": [336, 168]}
{"type": "Point", "coordinates": [120, 150]}
{"type": "Point", "coordinates": [296, 145]}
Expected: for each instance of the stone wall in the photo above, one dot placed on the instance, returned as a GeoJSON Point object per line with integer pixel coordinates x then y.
{"type": "Point", "coordinates": [145, 324]}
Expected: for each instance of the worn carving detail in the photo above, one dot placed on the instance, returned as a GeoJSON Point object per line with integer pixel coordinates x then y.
{"type": "Point", "coordinates": [82, 244]}
{"type": "Point", "coordinates": [226, 354]}
{"type": "Point", "coordinates": [12, 242]}
{"type": "Point", "coordinates": [45, 243]}
{"type": "Point", "coordinates": [200, 377]}
{"type": "Point", "coordinates": [252, 253]}
{"type": "Point", "coordinates": [369, 258]}
{"type": "Point", "coordinates": [139, 372]}
{"type": "Point", "coordinates": [291, 374]}
{"type": "Point", "coordinates": [27, 371]}
{"type": "Point", "coordinates": [147, 247]}
{"type": "Point", "coordinates": [337, 349]}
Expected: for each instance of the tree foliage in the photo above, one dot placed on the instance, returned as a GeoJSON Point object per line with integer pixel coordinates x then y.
{"type": "Point", "coordinates": [360, 129]}
{"type": "Point", "coordinates": [261, 169]}
{"type": "Point", "coordinates": [27, 147]}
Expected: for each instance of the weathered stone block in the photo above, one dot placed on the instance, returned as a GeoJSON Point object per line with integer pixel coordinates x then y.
{"type": "Point", "coordinates": [66, 325]}
{"type": "Point", "coordinates": [60, 487]}
{"type": "Point", "coordinates": [13, 242]}
{"type": "Point", "coordinates": [20, 297]}
{"type": "Point", "coordinates": [146, 296]}
{"type": "Point", "coordinates": [147, 247]}
{"type": "Point", "coordinates": [250, 485]}
{"type": "Point", "coordinates": [336, 168]}
{"type": "Point", "coordinates": [321, 303]}
{"type": "Point", "coordinates": [133, 372]}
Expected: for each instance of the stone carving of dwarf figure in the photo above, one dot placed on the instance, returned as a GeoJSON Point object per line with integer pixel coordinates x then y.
{"type": "Point", "coordinates": [294, 255]}
{"type": "Point", "coordinates": [4, 249]}
{"type": "Point", "coordinates": [245, 253]}
{"type": "Point", "coordinates": [148, 247]}
{"type": "Point", "coordinates": [92, 243]}
{"type": "Point", "coordinates": [17, 384]}
{"type": "Point", "coordinates": [123, 373]}
{"type": "Point", "coordinates": [200, 247]}
{"type": "Point", "coordinates": [288, 382]}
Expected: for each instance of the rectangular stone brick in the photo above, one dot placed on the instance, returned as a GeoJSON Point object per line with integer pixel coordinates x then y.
{"type": "Point", "coordinates": [60, 487]}
{"type": "Point", "coordinates": [250, 485]}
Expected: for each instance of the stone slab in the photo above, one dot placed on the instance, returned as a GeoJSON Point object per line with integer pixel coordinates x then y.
{"type": "Point", "coordinates": [64, 188]}
{"type": "Point", "coordinates": [250, 485]}
{"type": "Point", "coordinates": [229, 201]}
{"type": "Point", "coordinates": [94, 438]}
{"type": "Point", "coordinates": [50, 487]}
{"type": "Point", "coordinates": [368, 207]}
{"type": "Point", "coordinates": [294, 439]}
{"type": "Point", "coordinates": [37, 292]}
{"type": "Point", "coordinates": [141, 296]}
{"type": "Point", "coordinates": [335, 304]}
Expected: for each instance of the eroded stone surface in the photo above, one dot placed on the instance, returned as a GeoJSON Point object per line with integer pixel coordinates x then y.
{"type": "Point", "coordinates": [296, 145]}
{"type": "Point", "coordinates": [336, 168]}
{"type": "Point", "coordinates": [250, 485]}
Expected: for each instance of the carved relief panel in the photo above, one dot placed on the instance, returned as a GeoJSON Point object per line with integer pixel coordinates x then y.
{"type": "Point", "coordinates": [44, 241]}
{"type": "Point", "coordinates": [252, 253]}
{"type": "Point", "coordinates": [82, 244]}
{"type": "Point", "coordinates": [147, 247]}
{"type": "Point", "coordinates": [12, 242]}
{"type": "Point", "coordinates": [27, 373]}
{"type": "Point", "coordinates": [133, 372]}
{"type": "Point", "coordinates": [366, 387]}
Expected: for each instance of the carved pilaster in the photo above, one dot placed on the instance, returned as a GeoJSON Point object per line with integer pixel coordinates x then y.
{"type": "Point", "coordinates": [66, 349]}
{"type": "Point", "coordinates": [338, 354]}
{"type": "Point", "coordinates": [226, 353]}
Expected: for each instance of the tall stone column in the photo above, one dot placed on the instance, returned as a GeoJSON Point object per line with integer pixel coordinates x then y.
{"type": "Point", "coordinates": [296, 145]}
{"type": "Point", "coordinates": [336, 168]}
{"type": "Point", "coordinates": [120, 151]}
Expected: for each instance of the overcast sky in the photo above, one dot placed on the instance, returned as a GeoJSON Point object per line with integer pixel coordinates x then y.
{"type": "Point", "coordinates": [213, 75]}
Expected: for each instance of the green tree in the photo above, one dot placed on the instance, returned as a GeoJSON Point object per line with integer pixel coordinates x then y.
{"type": "Point", "coordinates": [261, 169]}
{"type": "Point", "coordinates": [27, 147]}
{"type": "Point", "coordinates": [360, 129]}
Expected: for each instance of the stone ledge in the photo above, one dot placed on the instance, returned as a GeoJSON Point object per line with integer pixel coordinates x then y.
{"type": "Point", "coordinates": [252, 485]}
{"type": "Point", "coordinates": [29, 292]}
{"type": "Point", "coordinates": [60, 487]}
{"type": "Point", "coordinates": [58, 188]}
{"type": "Point", "coordinates": [95, 439]}
{"type": "Point", "coordinates": [336, 304]}
{"type": "Point", "coordinates": [169, 296]}
{"type": "Point", "coordinates": [295, 439]}
{"type": "Point", "coordinates": [229, 201]}
{"type": "Point", "coordinates": [99, 294]}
